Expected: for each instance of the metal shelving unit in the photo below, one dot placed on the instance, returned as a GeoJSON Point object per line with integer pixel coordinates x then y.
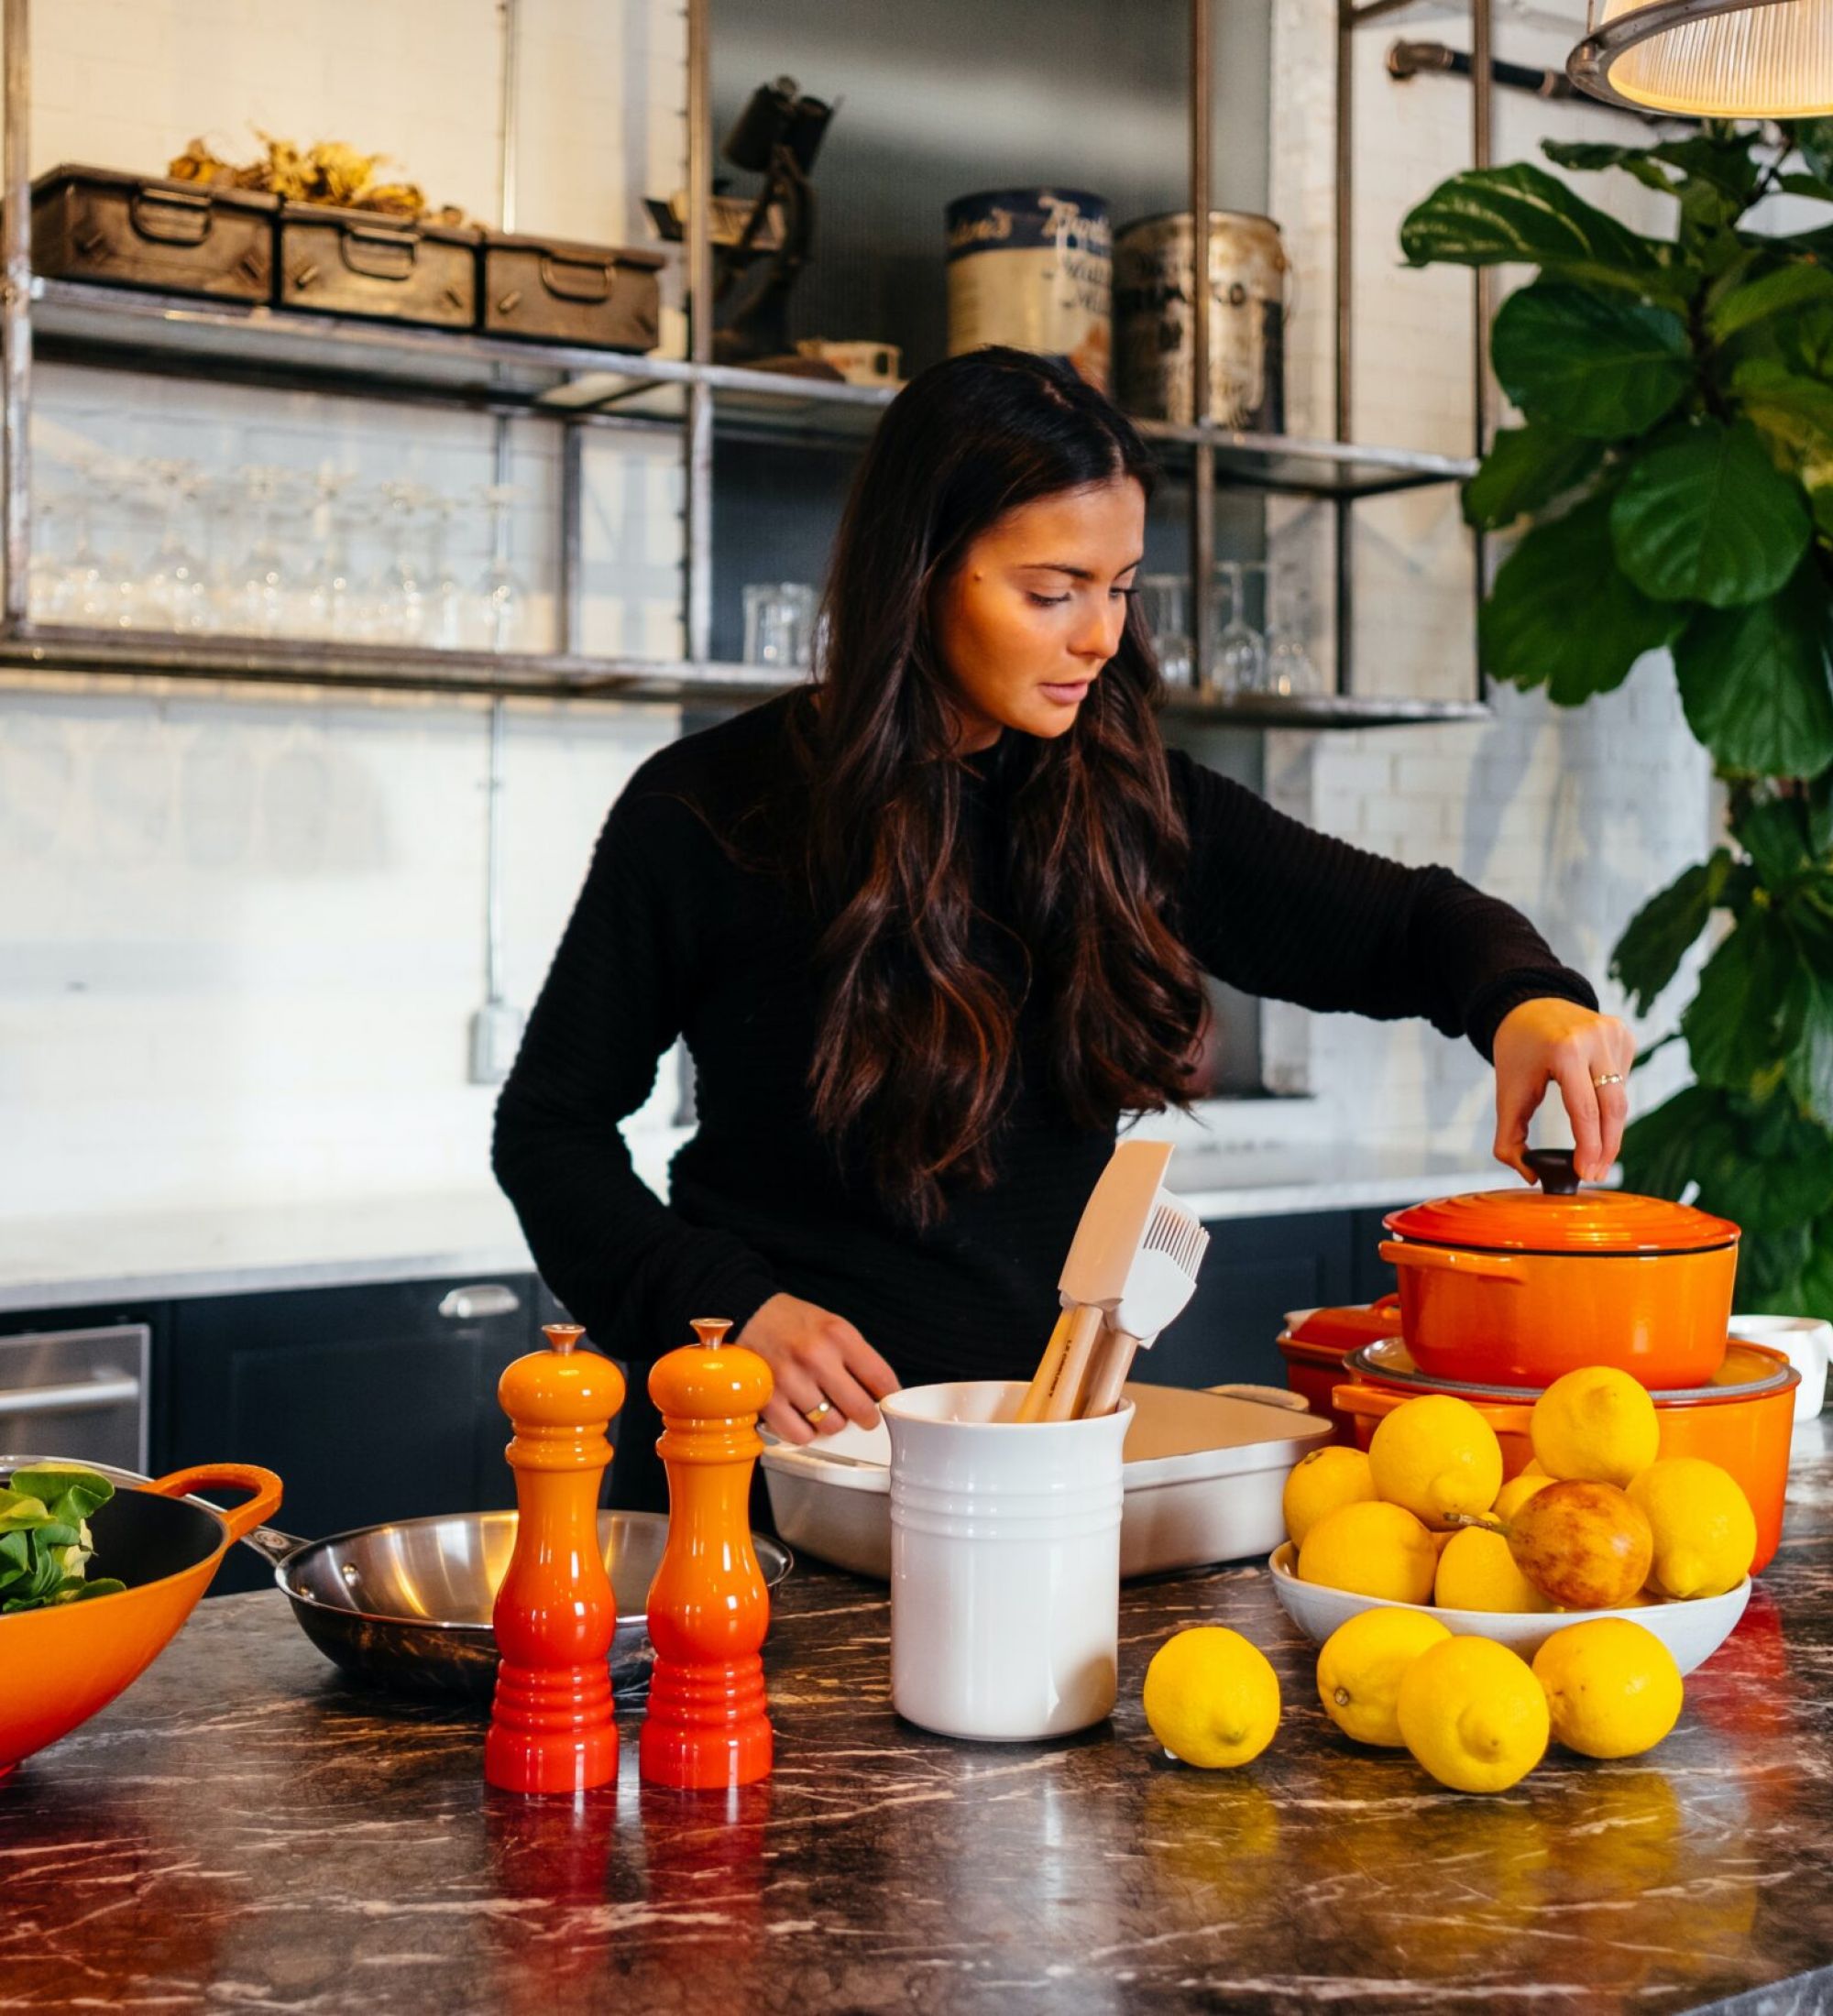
{"type": "Point", "coordinates": [574, 388]}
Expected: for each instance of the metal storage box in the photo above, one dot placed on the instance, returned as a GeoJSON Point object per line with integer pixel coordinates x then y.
{"type": "Point", "coordinates": [606, 296]}
{"type": "Point", "coordinates": [98, 224]}
{"type": "Point", "coordinates": [361, 262]}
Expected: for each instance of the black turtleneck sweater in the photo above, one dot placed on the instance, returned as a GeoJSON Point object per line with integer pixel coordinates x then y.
{"type": "Point", "coordinates": [671, 939]}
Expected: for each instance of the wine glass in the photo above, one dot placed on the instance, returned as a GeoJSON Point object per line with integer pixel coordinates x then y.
{"type": "Point", "coordinates": [1240, 650]}
{"type": "Point", "coordinates": [499, 609]}
{"type": "Point", "coordinates": [175, 595]}
{"type": "Point", "coordinates": [1163, 600]}
{"type": "Point", "coordinates": [264, 592]}
{"type": "Point", "coordinates": [329, 596]}
{"type": "Point", "coordinates": [444, 613]}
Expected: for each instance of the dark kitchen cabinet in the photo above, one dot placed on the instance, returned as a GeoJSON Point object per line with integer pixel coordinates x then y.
{"type": "Point", "coordinates": [372, 1403]}
{"type": "Point", "coordinates": [1255, 1269]}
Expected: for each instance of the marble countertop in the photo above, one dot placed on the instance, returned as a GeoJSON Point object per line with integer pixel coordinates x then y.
{"type": "Point", "coordinates": [239, 1831]}
{"type": "Point", "coordinates": [69, 1260]}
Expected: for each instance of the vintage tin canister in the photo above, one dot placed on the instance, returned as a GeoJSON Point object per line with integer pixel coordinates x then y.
{"type": "Point", "coordinates": [1154, 284]}
{"type": "Point", "coordinates": [1033, 268]}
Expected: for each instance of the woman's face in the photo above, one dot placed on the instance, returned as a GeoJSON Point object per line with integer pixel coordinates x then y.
{"type": "Point", "coordinates": [1035, 610]}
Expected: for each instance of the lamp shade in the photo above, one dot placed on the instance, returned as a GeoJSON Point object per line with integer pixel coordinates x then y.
{"type": "Point", "coordinates": [1711, 59]}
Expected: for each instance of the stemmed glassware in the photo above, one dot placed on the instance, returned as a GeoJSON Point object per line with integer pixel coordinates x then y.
{"type": "Point", "coordinates": [1163, 598]}
{"type": "Point", "coordinates": [265, 594]}
{"type": "Point", "coordinates": [175, 595]}
{"type": "Point", "coordinates": [502, 606]}
{"type": "Point", "coordinates": [1240, 649]}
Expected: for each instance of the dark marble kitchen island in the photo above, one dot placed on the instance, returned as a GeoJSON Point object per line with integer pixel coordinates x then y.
{"type": "Point", "coordinates": [240, 1831]}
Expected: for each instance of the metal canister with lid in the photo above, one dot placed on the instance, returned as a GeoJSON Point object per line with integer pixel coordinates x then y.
{"type": "Point", "coordinates": [1033, 268]}
{"type": "Point", "coordinates": [1154, 284]}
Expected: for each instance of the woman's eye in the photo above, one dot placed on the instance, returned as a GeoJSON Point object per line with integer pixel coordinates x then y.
{"type": "Point", "coordinates": [1127, 593]}
{"type": "Point", "coordinates": [1050, 601]}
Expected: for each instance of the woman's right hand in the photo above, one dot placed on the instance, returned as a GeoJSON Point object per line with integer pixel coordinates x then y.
{"type": "Point", "coordinates": [815, 1355]}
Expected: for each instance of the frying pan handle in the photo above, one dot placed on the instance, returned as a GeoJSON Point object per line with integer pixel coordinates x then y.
{"type": "Point", "coordinates": [243, 1517]}
{"type": "Point", "coordinates": [274, 1545]}
{"type": "Point", "coordinates": [1480, 1266]}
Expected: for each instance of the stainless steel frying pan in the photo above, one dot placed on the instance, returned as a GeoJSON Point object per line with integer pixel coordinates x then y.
{"type": "Point", "coordinates": [407, 1607]}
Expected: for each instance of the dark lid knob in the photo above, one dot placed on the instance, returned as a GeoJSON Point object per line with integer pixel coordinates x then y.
{"type": "Point", "coordinates": [1554, 1167]}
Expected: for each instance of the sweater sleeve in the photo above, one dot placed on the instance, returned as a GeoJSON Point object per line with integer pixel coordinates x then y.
{"type": "Point", "coordinates": [627, 1267]}
{"type": "Point", "coordinates": [1274, 907]}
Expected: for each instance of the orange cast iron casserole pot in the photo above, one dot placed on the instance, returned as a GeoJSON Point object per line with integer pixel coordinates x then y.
{"type": "Point", "coordinates": [1742, 1421]}
{"type": "Point", "coordinates": [64, 1663]}
{"type": "Point", "coordinates": [1514, 1287]}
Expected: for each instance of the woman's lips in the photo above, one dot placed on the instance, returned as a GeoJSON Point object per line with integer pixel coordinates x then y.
{"type": "Point", "coordinates": [1068, 696]}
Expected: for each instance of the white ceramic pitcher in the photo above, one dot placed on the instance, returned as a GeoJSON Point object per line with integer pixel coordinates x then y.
{"type": "Point", "coordinates": [1004, 1563]}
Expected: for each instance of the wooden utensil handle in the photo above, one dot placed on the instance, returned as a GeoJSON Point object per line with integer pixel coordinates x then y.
{"type": "Point", "coordinates": [1107, 1376]}
{"type": "Point", "coordinates": [1060, 1406]}
{"type": "Point", "coordinates": [1031, 1407]}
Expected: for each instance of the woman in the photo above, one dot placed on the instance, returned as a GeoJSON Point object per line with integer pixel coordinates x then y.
{"type": "Point", "coordinates": [931, 927]}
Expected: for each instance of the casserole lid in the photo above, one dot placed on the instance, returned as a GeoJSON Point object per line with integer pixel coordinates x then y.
{"type": "Point", "coordinates": [1749, 1372]}
{"type": "Point", "coordinates": [1561, 1217]}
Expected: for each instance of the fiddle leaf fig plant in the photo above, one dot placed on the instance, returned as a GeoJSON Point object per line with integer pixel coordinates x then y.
{"type": "Point", "coordinates": [1670, 485]}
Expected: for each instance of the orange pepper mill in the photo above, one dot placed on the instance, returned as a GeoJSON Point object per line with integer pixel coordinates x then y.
{"type": "Point", "coordinates": [707, 1727]}
{"type": "Point", "coordinates": [551, 1724]}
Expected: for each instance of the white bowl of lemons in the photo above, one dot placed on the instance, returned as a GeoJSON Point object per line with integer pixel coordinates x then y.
{"type": "Point", "coordinates": [1602, 1527]}
{"type": "Point", "coordinates": [1692, 1630]}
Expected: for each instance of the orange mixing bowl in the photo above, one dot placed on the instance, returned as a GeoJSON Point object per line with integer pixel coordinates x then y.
{"type": "Point", "coordinates": [1742, 1421]}
{"type": "Point", "coordinates": [64, 1663]}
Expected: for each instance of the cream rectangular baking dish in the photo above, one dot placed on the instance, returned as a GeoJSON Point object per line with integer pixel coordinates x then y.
{"type": "Point", "coordinates": [1203, 1474]}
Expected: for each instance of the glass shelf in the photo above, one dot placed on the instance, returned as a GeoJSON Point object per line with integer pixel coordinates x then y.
{"type": "Point", "coordinates": [552, 675]}
{"type": "Point", "coordinates": [127, 329]}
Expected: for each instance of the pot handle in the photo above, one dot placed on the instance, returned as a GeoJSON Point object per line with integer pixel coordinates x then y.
{"type": "Point", "coordinates": [243, 1517]}
{"type": "Point", "coordinates": [1503, 1415]}
{"type": "Point", "coordinates": [1476, 1266]}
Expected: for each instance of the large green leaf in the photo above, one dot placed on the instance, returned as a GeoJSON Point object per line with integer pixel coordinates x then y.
{"type": "Point", "coordinates": [1815, 1290]}
{"type": "Point", "coordinates": [1795, 412]}
{"type": "Point", "coordinates": [1764, 1166]}
{"type": "Point", "coordinates": [1707, 516]}
{"type": "Point", "coordinates": [1722, 159]}
{"type": "Point", "coordinates": [1774, 833]}
{"type": "Point", "coordinates": [1770, 1267]}
{"type": "Point", "coordinates": [1730, 1024]}
{"type": "Point", "coordinates": [1526, 470]}
{"type": "Point", "coordinates": [1785, 290]}
{"type": "Point", "coordinates": [1564, 615]}
{"type": "Point", "coordinates": [1522, 215]}
{"type": "Point", "coordinates": [1659, 936]}
{"type": "Point", "coordinates": [1754, 682]}
{"type": "Point", "coordinates": [1589, 364]}
{"type": "Point", "coordinates": [1663, 1148]}
{"type": "Point", "coordinates": [1815, 138]}
{"type": "Point", "coordinates": [1590, 156]}
{"type": "Point", "coordinates": [1820, 814]}
{"type": "Point", "coordinates": [1808, 1016]}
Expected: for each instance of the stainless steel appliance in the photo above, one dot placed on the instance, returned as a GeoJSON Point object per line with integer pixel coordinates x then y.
{"type": "Point", "coordinates": [81, 1392]}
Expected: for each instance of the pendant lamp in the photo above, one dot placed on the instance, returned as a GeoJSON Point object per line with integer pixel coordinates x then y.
{"type": "Point", "coordinates": [1709, 59]}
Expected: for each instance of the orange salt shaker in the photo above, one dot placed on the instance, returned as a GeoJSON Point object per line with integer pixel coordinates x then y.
{"type": "Point", "coordinates": [707, 1727]}
{"type": "Point", "coordinates": [551, 1724]}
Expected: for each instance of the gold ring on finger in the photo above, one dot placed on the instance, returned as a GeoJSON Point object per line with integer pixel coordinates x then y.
{"type": "Point", "coordinates": [1609, 1077]}
{"type": "Point", "coordinates": [815, 1415]}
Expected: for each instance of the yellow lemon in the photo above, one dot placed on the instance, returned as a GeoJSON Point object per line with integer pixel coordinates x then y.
{"type": "Point", "coordinates": [1211, 1697]}
{"type": "Point", "coordinates": [1596, 1424]}
{"type": "Point", "coordinates": [1516, 1493]}
{"type": "Point", "coordinates": [1373, 1550]}
{"type": "Point", "coordinates": [1478, 1572]}
{"type": "Point", "coordinates": [1360, 1667]}
{"type": "Point", "coordinates": [1612, 1688]}
{"type": "Point", "coordinates": [1436, 1456]}
{"type": "Point", "coordinates": [1706, 1534]}
{"type": "Point", "coordinates": [1473, 1713]}
{"type": "Point", "coordinates": [1534, 1468]}
{"type": "Point", "coordinates": [1320, 1482]}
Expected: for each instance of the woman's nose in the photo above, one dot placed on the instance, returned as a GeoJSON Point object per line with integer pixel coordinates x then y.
{"type": "Point", "coordinates": [1099, 637]}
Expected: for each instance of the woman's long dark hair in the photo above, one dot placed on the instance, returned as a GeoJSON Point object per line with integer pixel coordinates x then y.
{"type": "Point", "coordinates": [915, 1060]}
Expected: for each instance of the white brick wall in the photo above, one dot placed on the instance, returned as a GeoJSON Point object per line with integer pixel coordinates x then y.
{"type": "Point", "coordinates": [1577, 817]}
{"type": "Point", "coordinates": [241, 934]}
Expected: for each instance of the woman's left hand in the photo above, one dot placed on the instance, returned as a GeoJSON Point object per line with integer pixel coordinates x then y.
{"type": "Point", "coordinates": [1551, 1041]}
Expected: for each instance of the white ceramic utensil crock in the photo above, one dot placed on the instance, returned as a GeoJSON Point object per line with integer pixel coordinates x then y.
{"type": "Point", "coordinates": [1004, 1563]}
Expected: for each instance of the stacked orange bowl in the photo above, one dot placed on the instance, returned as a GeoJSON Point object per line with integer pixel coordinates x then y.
{"type": "Point", "coordinates": [1502, 1291]}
